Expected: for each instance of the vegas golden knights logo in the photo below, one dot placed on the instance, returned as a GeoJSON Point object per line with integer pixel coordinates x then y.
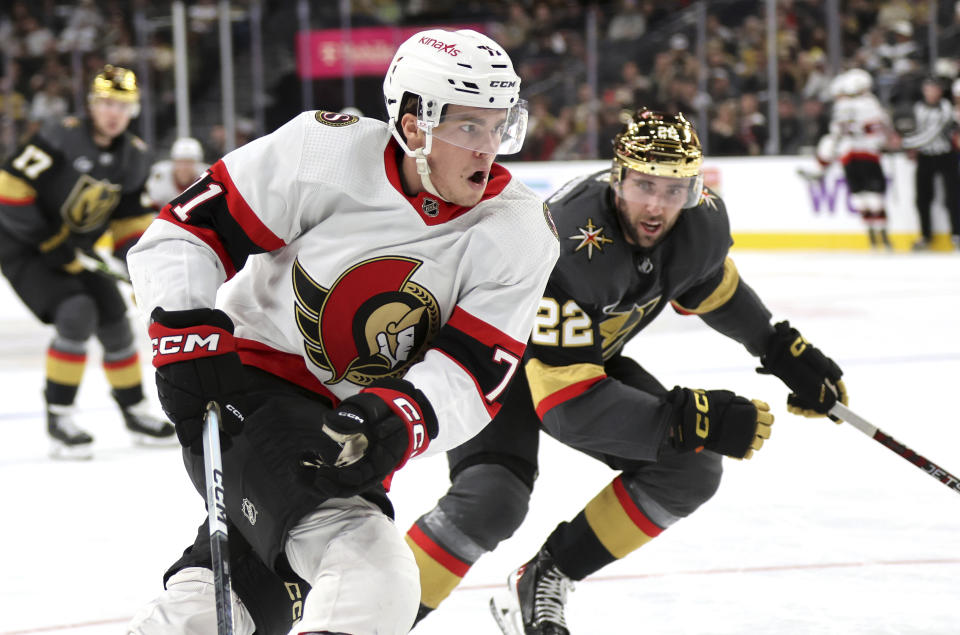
{"type": "Point", "coordinates": [617, 328]}
{"type": "Point", "coordinates": [373, 322]}
{"type": "Point", "coordinates": [89, 204]}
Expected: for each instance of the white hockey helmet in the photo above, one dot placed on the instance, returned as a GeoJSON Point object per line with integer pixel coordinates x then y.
{"type": "Point", "coordinates": [838, 87]}
{"type": "Point", "coordinates": [186, 148]}
{"type": "Point", "coordinates": [857, 81]}
{"type": "Point", "coordinates": [462, 67]}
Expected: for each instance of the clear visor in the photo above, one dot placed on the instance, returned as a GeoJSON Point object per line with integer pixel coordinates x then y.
{"type": "Point", "coordinates": [487, 130]}
{"type": "Point", "coordinates": [667, 191]}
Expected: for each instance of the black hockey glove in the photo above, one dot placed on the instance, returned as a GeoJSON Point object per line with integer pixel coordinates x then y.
{"type": "Point", "coordinates": [197, 362]}
{"type": "Point", "coordinates": [62, 257]}
{"type": "Point", "coordinates": [813, 378]}
{"type": "Point", "coordinates": [374, 433]}
{"type": "Point", "coordinates": [718, 420]}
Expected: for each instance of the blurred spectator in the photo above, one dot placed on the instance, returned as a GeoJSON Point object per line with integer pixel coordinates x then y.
{"type": "Point", "coordinates": [791, 126]}
{"type": "Point", "coordinates": [83, 28]}
{"type": "Point", "coordinates": [753, 124]}
{"type": "Point", "coordinates": [47, 105]}
{"type": "Point", "coordinates": [628, 23]}
{"type": "Point", "coordinates": [724, 131]}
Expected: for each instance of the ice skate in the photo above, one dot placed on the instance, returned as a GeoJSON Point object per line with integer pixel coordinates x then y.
{"type": "Point", "coordinates": [67, 440]}
{"type": "Point", "coordinates": [145, 428]}
{"type": "Point", "coordinates": [535, 599]}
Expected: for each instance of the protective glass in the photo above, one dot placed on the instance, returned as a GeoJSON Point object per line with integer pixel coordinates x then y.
{"type": "Point", "coordinates": [487, 130]}
{"type": "Point", "coordinates": [668, 191]}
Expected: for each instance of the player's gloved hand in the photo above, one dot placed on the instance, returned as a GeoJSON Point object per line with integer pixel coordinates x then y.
{"type": "Point", "coordinates": [813, 378]}
{"type": "Point", "coordinates": [197, 362]}
{"type": "Point", "coordinates": [63, 257]}
{"type": "Point", "coordinates": [718, 420]}
{"type": "Point", "coordinates": [367, 437]}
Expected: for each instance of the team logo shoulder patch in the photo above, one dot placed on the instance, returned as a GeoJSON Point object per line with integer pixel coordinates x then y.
{"type": "Point", "coordinates": [591, 237]}
{"type": "Point", "coordinates": [374, 321]}
{"type": "Point", "coordinates": [335, 119]}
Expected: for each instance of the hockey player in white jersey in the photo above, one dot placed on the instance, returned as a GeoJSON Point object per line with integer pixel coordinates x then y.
{"type": "Point", "coordinates": [171, 176]}
{"type": "Point", "coordinates": [860, 131]}
{"type": "Point", "coordinates": [342, 278]}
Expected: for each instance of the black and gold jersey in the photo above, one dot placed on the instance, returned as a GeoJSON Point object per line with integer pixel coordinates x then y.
{"type": "Point", "coordinates": [59, 187]}
{"type": "Point", "coordinates": [604, 291]}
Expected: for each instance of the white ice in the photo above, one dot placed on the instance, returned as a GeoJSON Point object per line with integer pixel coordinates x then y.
{"type": "Point", "coordinates": [823, 531]}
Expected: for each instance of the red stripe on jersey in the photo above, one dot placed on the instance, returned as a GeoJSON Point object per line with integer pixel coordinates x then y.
{"type": "Point", "coordinates": [17, 202]}
{"type": "Point", "coordinates": [252, 226]}
{"type": "Point", "coordinates": [859, 156]}
{"type": "Point", "coordinates": [565, 394]}
{"type": "Point", "coordinates": [76, 358]}
{"type": "Point", "coordinates": [284, 365]}
{"type": "Point", "coordinates": [209, 237]}
{"type": "Point", "coordinates": [484, 332]}
{"type": "Point", "coordinates": [489, 336]}
{"type": "Point", "coordinates": [639, 519]}
{"type": "Point", "coordinates": [120, 363]}
{"type": "Point", "coordinates": [443, 211]}
{"type": "Point", "coordinates": [451, 563]}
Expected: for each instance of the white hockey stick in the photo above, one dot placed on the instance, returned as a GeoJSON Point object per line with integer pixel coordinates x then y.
{"type": "Point", "coordinates": [217, 517]}
{"type": "Point", "coordinates": [843, 413]}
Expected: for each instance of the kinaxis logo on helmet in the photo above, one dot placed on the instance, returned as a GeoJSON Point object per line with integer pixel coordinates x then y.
{"type": "Point", "coordinates": [449, 49]}
{"type": "Point", "coordinates": [373, 322]}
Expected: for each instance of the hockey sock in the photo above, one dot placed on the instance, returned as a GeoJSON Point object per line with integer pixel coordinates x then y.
{"type": "Point", "coordinates": [441, 568]}
{"type": "Point", "coordinates": [607, 529]}
{"type": "Point", "coordinates": [124, 374]}
{"type": "Point", "coordinates": [66, 361]}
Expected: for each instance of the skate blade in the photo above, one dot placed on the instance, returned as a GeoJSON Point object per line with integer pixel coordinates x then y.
{"type": "Point", "coordinates": [63, 452]}
{"type": "Point", "coordinates": [506, 614]}
{"type": "Point", "coordinates": [147, 441]}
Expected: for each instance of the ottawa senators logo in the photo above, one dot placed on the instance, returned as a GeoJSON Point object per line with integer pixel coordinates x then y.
{"type": "Point", "coordinates": [373, 322]}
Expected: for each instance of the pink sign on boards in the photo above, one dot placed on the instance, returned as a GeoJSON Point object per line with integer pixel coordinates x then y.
{"type": "Point", "coordinates": [324, 53]}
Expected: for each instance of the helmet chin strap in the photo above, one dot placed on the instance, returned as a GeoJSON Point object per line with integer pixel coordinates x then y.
{"type": "Point", "coordinates": [423, 169]}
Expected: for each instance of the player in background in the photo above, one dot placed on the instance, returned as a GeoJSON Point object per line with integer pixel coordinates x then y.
{"type": "Point", "coordinates": [860, 131]}
{"type": "Point", "coordinates": [171, 176]}
{"type": "Point", "coordinates": [353, 294]}
{"type": "Point", "coordinates": [635, 239]}
{"type": "Point", "coordinates": [72, 183]}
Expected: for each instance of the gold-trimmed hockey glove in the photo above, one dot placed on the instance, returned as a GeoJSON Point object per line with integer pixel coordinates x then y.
{"type": "Point", "coordinates": [813, 378]}
{"type": "Point", "coordinates": [718, 420]}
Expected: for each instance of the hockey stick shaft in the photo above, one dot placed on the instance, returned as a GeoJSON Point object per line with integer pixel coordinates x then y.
{"type": "Point", "coordinates": [217, 516]}
{"type": "Point", "coordinates": [842, 412]}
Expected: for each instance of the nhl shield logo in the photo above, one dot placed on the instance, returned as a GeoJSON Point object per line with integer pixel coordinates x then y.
{"type": "Point", "coordinates": [373, 322]}
{"type": "Point", "coordinates": [249, 511]}
{"type": "Point", "coordinates": [430, 207]}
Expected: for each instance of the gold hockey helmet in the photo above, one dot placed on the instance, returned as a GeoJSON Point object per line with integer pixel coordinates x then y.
{"type": "Point", "coordinates": [116, 82]}
{"type": "Point", "coordinates": [659, 144]}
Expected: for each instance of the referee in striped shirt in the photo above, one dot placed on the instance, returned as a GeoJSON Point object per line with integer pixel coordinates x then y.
{"type": "Point", "coordinates": [932, 144]}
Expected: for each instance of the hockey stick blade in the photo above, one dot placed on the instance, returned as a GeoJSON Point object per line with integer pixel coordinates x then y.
{"type": "Point", "coordinates": [845, 414]}
{"type": "Point", "coordinates": [217, 517]}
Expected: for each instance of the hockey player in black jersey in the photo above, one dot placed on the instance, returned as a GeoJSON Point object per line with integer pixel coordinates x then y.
{"type": "Point", "coordinates": [642, 236]}
{"type": "Point", "coordinates": [66, 187]}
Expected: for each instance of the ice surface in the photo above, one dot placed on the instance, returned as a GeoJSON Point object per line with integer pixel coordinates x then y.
{"type": "Point", "coordinates": [824, 531]}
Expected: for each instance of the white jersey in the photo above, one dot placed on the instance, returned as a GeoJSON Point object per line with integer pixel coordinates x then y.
{"type": "Point", "coordinates": [859, 127]}
{"type": "Point", "coordinates": [162, 187]}
{"type": "Point", "coordinates": [335, 278]}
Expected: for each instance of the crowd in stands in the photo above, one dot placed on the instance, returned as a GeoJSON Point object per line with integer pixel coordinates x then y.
{"type": "Point", "coordinates": [646, 54]}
